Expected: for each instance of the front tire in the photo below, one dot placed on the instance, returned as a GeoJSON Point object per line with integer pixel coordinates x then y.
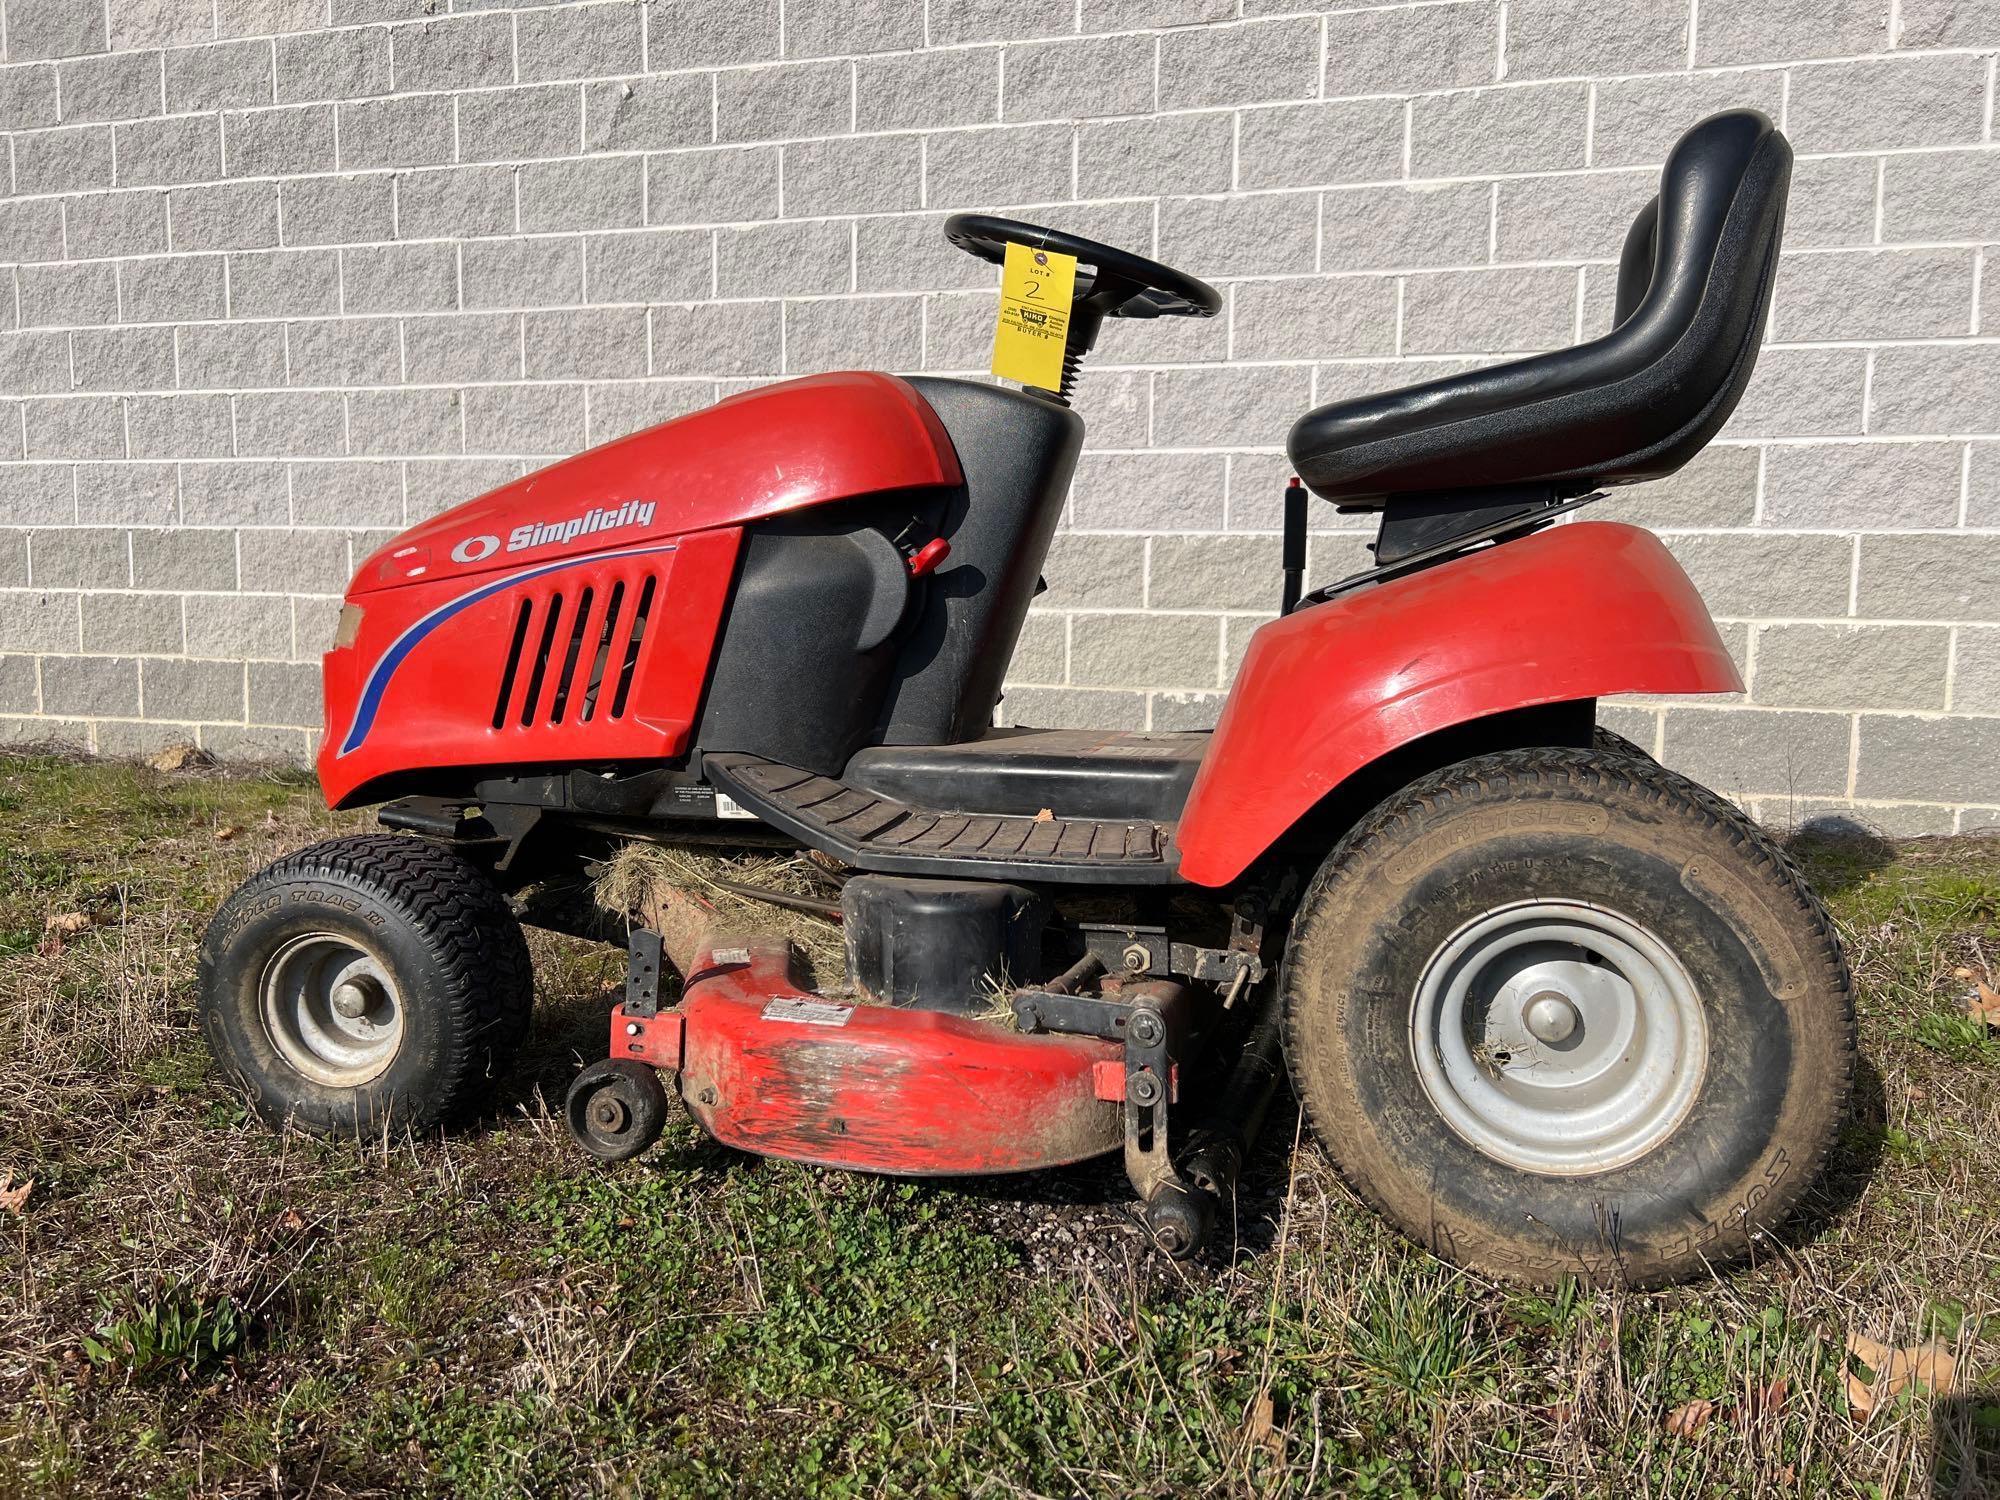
{"type": "Point", "coordinates": [1564, 1013]}
{"type": "Point", "coordinates": [364, 984]}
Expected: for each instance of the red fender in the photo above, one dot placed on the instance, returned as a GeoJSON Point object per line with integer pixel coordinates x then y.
{"type": "Point", "coordinates": [1577, 611]}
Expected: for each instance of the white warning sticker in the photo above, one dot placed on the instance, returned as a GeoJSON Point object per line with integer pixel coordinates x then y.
{"type": "Point", "coordinates": [727, 806]}
{"type": "Point", "coordinates": [808, 1012]}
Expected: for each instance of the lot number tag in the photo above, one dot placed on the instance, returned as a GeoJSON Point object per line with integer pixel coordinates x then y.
{"type": "Point", "coordinates": [1035, 287]}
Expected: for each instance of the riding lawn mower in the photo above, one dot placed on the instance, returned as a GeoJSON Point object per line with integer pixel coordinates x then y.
{"type": "Point", "coordinates": [1551, 1008]}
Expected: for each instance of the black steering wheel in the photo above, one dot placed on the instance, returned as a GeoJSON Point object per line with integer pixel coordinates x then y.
{"type": "Point", "coordinates": [1123, 285]}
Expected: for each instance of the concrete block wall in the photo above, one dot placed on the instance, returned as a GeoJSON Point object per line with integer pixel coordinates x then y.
{"type": "Point", "coordinates": [282, 276]}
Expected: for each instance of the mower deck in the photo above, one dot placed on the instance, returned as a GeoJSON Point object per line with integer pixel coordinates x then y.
{"type": "Point", "coordinates": [875, 832]}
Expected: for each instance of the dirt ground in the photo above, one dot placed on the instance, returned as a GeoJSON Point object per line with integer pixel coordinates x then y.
{"type": "Point", "coordinates": [190, 1305]}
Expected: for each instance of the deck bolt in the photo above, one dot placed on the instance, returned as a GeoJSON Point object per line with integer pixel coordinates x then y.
{"type": "Point", "coordinates": [1137, 959]}
{"type": "Point", "coordinates": [631, 1028]}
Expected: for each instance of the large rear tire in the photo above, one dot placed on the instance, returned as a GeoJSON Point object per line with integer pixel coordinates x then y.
{"type": "Point", "coordinates": [364, 984]}
{"type": "Point", "coordinates": [1564, 1013]}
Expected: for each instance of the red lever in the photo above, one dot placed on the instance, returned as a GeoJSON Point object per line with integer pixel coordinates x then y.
{"type": "Point", "coordinates": [927, 557]}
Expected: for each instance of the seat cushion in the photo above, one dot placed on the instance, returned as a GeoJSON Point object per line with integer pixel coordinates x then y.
{"type": "Point", "coordinates": [1635, 404]}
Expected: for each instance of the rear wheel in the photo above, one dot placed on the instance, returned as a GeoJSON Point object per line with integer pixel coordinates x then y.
{"type": "Point", "coordinates": [363, 984]}
{"type": "Point", "coordinates": [1561, 1012]}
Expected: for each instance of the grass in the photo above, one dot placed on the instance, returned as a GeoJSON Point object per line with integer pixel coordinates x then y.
{"type": "Point", "coordinates": [192, 1306]}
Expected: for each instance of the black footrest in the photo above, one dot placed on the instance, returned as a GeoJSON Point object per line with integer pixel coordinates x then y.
{"type": "Point", "coordinates": [873, 832]}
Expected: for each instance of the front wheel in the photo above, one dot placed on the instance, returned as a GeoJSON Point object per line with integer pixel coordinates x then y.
{"type": "Point", "coordinates": [1564, 1013]}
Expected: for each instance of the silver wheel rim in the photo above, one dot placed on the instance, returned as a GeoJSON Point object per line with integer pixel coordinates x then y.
{"type": "Point", "coordinates": [1559, 1037]}
{"type": "Point", "coordinates": [332, 1010]}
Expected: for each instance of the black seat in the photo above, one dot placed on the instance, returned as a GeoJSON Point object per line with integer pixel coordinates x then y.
{"type": "Point", "coordinates": [1694, 287]}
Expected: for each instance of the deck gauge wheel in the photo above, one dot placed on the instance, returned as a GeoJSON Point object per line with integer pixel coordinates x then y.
{"type": "Point", "coordinates": [616, 1109]}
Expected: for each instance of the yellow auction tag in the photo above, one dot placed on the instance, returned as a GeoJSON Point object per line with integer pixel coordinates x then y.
{"type": "Point", "coordinates": [1035, 287]}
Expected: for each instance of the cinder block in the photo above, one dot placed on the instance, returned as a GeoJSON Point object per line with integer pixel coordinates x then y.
{"type": "Point", "coordinates": [1154, 341]}
{"type": "Point", "coordinates": [397, 132]}
{"type": "Point", "coordinates": [230, 75]}
{"type": "Point", "coordinates": [1947, 195]}
{"type": "Point", "coordinates": [1007, 164]}
{"type": "Point", "coordinates": [658, 264]}
{"type": "Point", "coordinates": [595, 343]}
{"type": "Point", "coordinates": [772, 260]}
{"type": "Point", "coordinates": [1851, 666]}
{"type": "Point", "coordinates": [1930, 577]}
{"type": "Point", "coordinates": [767, 104]}
{"type": "Point", "coordinates": [192, 690]}
{"type": "Point", "coordinates": [458, 347]}
{"type": "Point", "coordinates": [267, 17]}
{"type": "Point", "coordinates": [649, 114]}
{"type": "Point", "coordinates": [1539, 128]}
{"type": "Point", "coordinates": [1558, 38]}
{"type": "Point", "coordinates": [1094, 572]}
{"type": "Point", "coordinates": [337, 210]}
{"type": "Point", "coordinates": [849, 333]}
{"type": "Point", "coordinates": [157, 23]}
{"type": "Point", "coordinates": [143, 624]}
{"type": "Point", "coordinates": [1072, 708]}
{"type": "Point", "coordinates": [111, 86]}
{"type": "Point", "coordinates": [510, 124]}
{"type": "Point", "coordinates": [908, 252]}
{"type": "Point", "coordinates": [524, 419]}
{"type": "Point", "coordinates": [1639, 119]}
{"type": "Point", "coordinates": [1920, 759]}
{"type": "Point", "coordinates": [401, 423]}
{"type": "Point", "coordinates": [1412, 49]}
{"type": "Point", "coordinates": [1584, 217]}
{"type": "Point", "coordinates": [54, 28]}
{"type": "Point", "coordinates": [181, 148]}
{"type": "Point", "coordinates": [1063, 80]}
{"type": "Point", "coordinates": [1934, 389]}
{"type": "Point", "coordinates": [284, 693]}
{"type": "Point", "coordinates": [258, 745]}
{"type": "Point", "coordinates": [542, 272]}
{"type": "Point", "coordinates": [184, 560]}
{"type": "Point", "coordinates": [705, 33]}
{"type": "Point", "coordinates": [1252, 62]}
{"type": "Point", "coordinates": [1147, 492]}
{"type": "Point", "coordinates": [851, 174]}
{"type": "Point", "coordinates": [286, 141]}
{"type": "Point", "coordinates": [234, 494]}
{"type": "Point", "coordinates": [831, 28]}
{"type": "Point", "coordinates": [307, 424]}
{"type": "Point", "coordinates": [1240, 406]}
{"type": "Point", "coordinates": [353, 492]}
{"type": "Point", "coordinates": [1805, 393]}
{"type": "Point", "coordinates": [582, 41]}
{"type": "Point", "coordinates": [122, 359]}
{"type": "Point", "coordinates": [1308, 144]}
{"type": "Point", "coordinates": [1862, 484]}
{"type": "Point", "coordinates": [1270, 234]}
{"type": "Point", "coordinates": [20, 690]}
{"type": "Point", "coordinates": [1877, 294]}
{"type": "Point", "coordinates": [1748, 752]}
{"type": "Point", "coordinates": [69, 160]}
{"type": "Point", "coordinates": [32, 495]}
{"type": "Point", "coordinates": [1717, 488]}
{"type": "Point", "coordinates": [314, 623]}
{"type": "Point", "coordinates": [609, 193]}
{"type": "Point", "coordinates": [926, 90]}
{"type": "Point", "coordinates": [1133, 15]}
{"type": "Point", "coordinates": [954, 21]}
{"type": "Point", "coordinates": [1314, 318]}
{"type": "Point", "coordinates": [27, 97]}
{"type": "Point", "coordinates": [455, 202]}
{"type": "Point", "coordinates": [283, 561]}
{"type": "Point", "coordinates": [125, 494]}
{"type": "Point", "coordinates": [1040, 655]}
{"type": "Point", "coordinates": [1975, 684]}
{"type": "Point", "coordinates": [1213, 572]}
{"type": "Point", "coordinates": [1869, 106]}
{"type": "Point", "coordinates": [1179, 711]}
{"type": "Point", "coordinates": [463, 52]}
{"type": "Point", "coordinates": [179, 426]}
{"type": "Point", "coordinates": [83, 685]}
{"type": "Point", "coordinates": [345, 64]}
{"type": "Point", "coordinates": [31, 230]}
{"type": "Point", "coordinates": [718, 338]}
{"type": "Point", "coordinates": [181, 288]}
{"type": "Point", "coordinates": [239, 627]}
{"type": "Point", "coordinates": [1120, 403]}
{"type": "Point", "coordinates": [717, 186]}
{"type": "Point", "coordinates": [1524, 310]}
{"type": "Point", "coordinates": [117, 225]}
{"type": "Point", "coordinates": [1748, 577]}
{"type": "Point", "coordinates": [1946, 23]}
{"type": "Point", "coordinates": [1144, 650]}
{"type": "Point", "coordinates": [1781, 30]}
{"type": "Point", "coordinates": [1390, 228]}
{"type": "Point", "coordinates": [68, 295]}
{"type": "Point", "coordinates": [79, 558]}
{"type": "Point", "coordinates": [1159, 154]}
{"type": "Point", "coordinates": [224, 216]}
{"type": "Point", "coordinates": [1832, 202]}
{"type": "Point", "coordinates": [33, 621]}
{"type": "Point", "coordinates": [75, 427]}
{"type": "Point", "coordinates": [344, 351]}
{"type": "Point", "coordinates": [284, 283]}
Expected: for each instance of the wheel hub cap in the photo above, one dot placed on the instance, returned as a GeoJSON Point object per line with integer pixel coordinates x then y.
{"type": "Point", "coordinates": [1559, 1037]}
{"type": "Point", "coordinates": [331, 1010]}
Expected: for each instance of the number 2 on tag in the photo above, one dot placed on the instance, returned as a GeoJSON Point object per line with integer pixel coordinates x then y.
{"type": "Point", "coordinates": [1035, 289]}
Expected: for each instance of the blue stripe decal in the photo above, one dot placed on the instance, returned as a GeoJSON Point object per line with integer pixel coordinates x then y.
{"type": "Point", "coordinates": [404, 644]}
